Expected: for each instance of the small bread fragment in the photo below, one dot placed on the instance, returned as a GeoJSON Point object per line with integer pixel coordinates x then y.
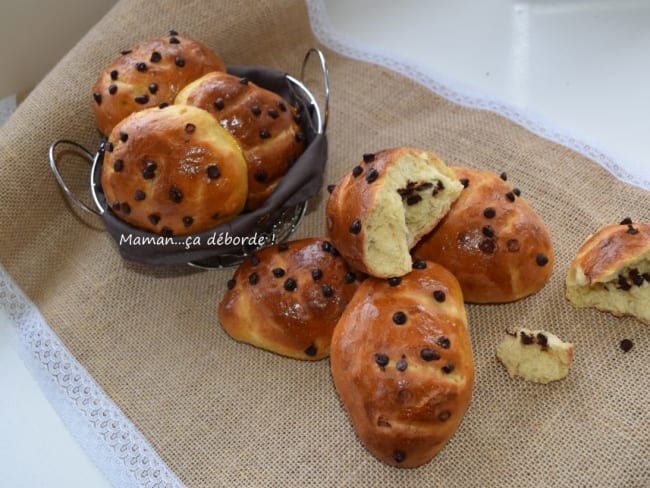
{"type": "Point", "coordinates": [611, 271]}
{"type": "Point", "coordinates": [382, 208]}
{"type": "Point", "coordinates": [535, 355]}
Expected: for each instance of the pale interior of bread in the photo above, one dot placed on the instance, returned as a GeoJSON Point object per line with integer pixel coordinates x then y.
{"type": "Point", "coordinates": [609, 295]}
{"type": "Point", "coordinates": [393, 226]}
{"type": "Point", "coordinates": [533, 361]}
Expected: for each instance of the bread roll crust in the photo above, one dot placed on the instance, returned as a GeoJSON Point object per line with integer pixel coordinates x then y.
{"type": "Point", "coordinates": [173, 171]}
{"type": "Point", "coordinates": [148, 74]}
{"type": "Point", "coordinates": [287, 298]}
{"type": "Point", "coordinates": [263, 123]}
{"type": "Point", "coordinates": [405, 380]}
{"type": "Point", "coordinates": [495, 244]}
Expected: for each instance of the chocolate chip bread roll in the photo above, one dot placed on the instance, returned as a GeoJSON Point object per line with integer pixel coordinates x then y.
{"type": "Point", "coordinates": [611, 271]}
{"type": "Point", "coordinates": [149, 74]}
{"type": "Point", "coordinates": [491, 240]}
{"type": "Point", "coordinates": [402, 363]}
{"type": "Point", "coordinates": [173, 171]}
{"type": "Point", "coordinates": [263, 123]}
{"type": "Point", "coordinates": [379, 210]}
{"type": "Point", "coordinates": [288, 298]}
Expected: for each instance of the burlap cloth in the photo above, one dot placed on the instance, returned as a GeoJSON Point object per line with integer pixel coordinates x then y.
{"type": "Point", "coordinates": [221, 413]}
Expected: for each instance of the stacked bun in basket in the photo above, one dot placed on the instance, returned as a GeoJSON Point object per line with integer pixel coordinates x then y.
{"type": "Point", "coordinates": [410, 241]}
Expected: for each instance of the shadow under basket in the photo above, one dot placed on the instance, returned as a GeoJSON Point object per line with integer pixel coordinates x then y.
{"type": "Point", "coordinates": [227, 244]}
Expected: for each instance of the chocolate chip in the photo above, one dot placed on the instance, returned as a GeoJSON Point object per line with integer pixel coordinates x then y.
{"type": "Point", "coordinates": [328, 291]}
{"type": "Point", "coordinates": [316, 274]}
{"type": "Point", "coordinates": [510, 196]}
{"type": "Point", "coordinates": [439, 185]}
{"type": "Point", "coordinates": [631, 230]}
{"type": "Point", "coordinates": [487, 246]}
{"type": "Point", "coordinates": [443, 342]}
{"type": "Point", "coordinates": [215, 216]}
{"type": "Point", "coordinates": [243, 81]}
{"type": "Point", "coordinates": [626, 221]}
{"type": "Point", "coordinates": [265, 134]}
{"type": "Point", "coordinates": [368, 158]}
{"type": "Point", "coordinates": [290, 284]}
{"type": "Point", "coordinates": [464, 182]}
{"type": "Point", "coordinates": [118, 165]}
{"type": "Point", "coordinates": [112, 88]}
{"type": "Point", "coordinates": [444, 415]}
{"type": "Point", "coordinates": [253, 278]}
{"type": "Point", "coordinates": [516, 191]}
{"type": "Point", "coordinates": [175, 194]}
{"type": "Point", "coordinates": [256, 110]}
{"type": "Point", "coordinates": [381, 359]}
{"type": "Point", "coordinates": [542, 340]}
{"type": "Point", "coordinates": [141, 67]}
{"type": "Point", "coordinates": [126, 208]}
{"type": "Point", "coordinates": [626, 345]}
{"type": "Point", "coordinates": [419, 264]}
{"type": "Point", "coordinates": [326, 246]}
{"type": "Point", "coordinates": [356, 171]}
{"type": "Point", "coordinates": [190, 128]}
{"type": "Point", "coordinates": [282, 106]}
{"type": "Point", "coordinates": [401, 365]}
{"type": "Point", "coordinates": [283, 247]}
{"type": "Point", "coordinates": [124, 136]}
{"type": "Point", "coordinates": [98, 98]}
{"type": "Point", "coordinates": [188, 221]}
{"type": "Point", "coordinates": [180, 62]}
{"type": "Point", "coordinates": [154, 219]}
{"type": "Point", "coordinates": [139, 195]}
{"type": "Point", "coordinates": [142, 99]}
{"type": "Point", "coordinates": [149, 170]}
{"type": "Point", "coordinates": [504, 176]}
{"type": "Point", "coordinates": [513, 245]}
{"type": "Point", "coordinates": [116, 205]}
{"type": "Point", "coordinates": [174, 40]}
{"type": "Point", "coordinates": [394, 281]}
{"type": "Point", "coordinates": [429, 354]}
{"type": "Point", "coordinates": [213, 171]}
{"type": "Point", "coordinates": [541, 259]}
{"type": "Point", "coordinates": [334, 252]}
{"type": "Point", "coordinates": [231, 284]}
{"type": "Point", "coordinates": [636, 278]}
{"type": "Point", "coordinates": [623, 284]}
{"type": "Point", "coordinates": [488, 231]}
{"type": "Point", "coordinates": [330, 188]}
{"type": "Point", "coordinates": [372, 175]}
{"type": "Point", "coordinates": [153, 88]}
{"type": "Point", "coordinates": [413, 199]}
{"type": "Point", "coordinates": [167, 232]}
{"type": "Point", "coordinates": [399, 456]}
{"type": "Point", "coordinates": [278, 272]}
{"type": "Point", "coordinates": [163, 105]}
{"type": "Point", "coordinates": [155, 57]}
{"type": "Point", "coordinates": [399, 318]}
{"type": "Point", "coordinates": [218, 104]}
{"type": "Point", "coordinates": [273, 113]}
{"type": "Point", "coordinates": [255, 260]}
{"type": "Point", "coordinates": [173, 33]}
{"type": "Point", "coordinates": [525, 338]}
{"type": "Point", "coordinates": [439, 296]}
{"type": "Point", "coordinates": [114, 75]}
{"type": "Point", "coordinates": [349, 277]}
{"type": "Point", "coordinates": [448, 368]}
{"type": "Point", "coordinates": [355, 227]}
{"type": "Point", "coordinates": [125, 52]}
{"type": "Point", "coordinates": [489, 213]}
{"type": "Point", "coordinates": [311, 350]}
{"type": "Point", "coordinates": [261, 175]}
{"type": "Point", "coordinates": [299, 137]}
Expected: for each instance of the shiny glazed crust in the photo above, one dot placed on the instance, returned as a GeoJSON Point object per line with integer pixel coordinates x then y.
{"type": "Point", "coordinates": [287, 298]}
{"type": "Point", "coordinates": [149, 74]}
{"type": "Point", "coordinates": [493, 242]}
{"type": "Point", "coordinates": [263, 123]}
{"type": "Point", "coordinates": [402, 364]}
{"type": "Point", "coordinates": [173, 171]}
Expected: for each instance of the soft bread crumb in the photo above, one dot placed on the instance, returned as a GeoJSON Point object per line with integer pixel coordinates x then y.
{"type": "Point", "coordinates": [535, 355]}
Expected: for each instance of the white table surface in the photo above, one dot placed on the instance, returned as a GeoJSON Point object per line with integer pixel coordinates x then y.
{"type": "Point", "coordinates": [582, 65]}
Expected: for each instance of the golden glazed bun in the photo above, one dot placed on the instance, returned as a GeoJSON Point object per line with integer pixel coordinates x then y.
{"type": "Point", "coordinates": [149, 74]}
{"type": "Point", "coordinates": [611, 271]}
{"type": "Point", "coordinates": [402, 363]}
{"type": "Point", "coordinates": [263, 123]}
{"type": "Point", "coordinates": [173, 171]}
{"type": "Point", "coordinates": [288, 298]}
{"type": "Point", "coordinates": [491, 240]}
{"type": "Point", "coordinates": [535, 355]}
{"type": "Point", "coordinates": [379, 210]}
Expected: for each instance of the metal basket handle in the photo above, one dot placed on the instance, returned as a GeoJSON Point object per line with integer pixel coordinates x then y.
{"type": "Point", "coordinates": [87, 155]}
{"type": "Point", "coordinates": [326, 80]}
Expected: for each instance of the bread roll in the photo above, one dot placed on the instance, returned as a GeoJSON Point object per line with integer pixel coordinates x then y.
{"type": "Point", "coordinates": [491, 240]}
{"type": "Point", "coordinates": [535, 355]}
{"type": "Point", "coordinates": [287, 298]}
{"type": "Point", "coordinates": [173, 171]}
{"type": "Point", "coordinates": [263, 123]}
{"type": "Point", "coordinates": [149, 74]}
{"type": "Point", "coordinates": [379, 210]}
{"type": "Point", "coordinates": [611, 271]}
{"type": "Point", "coordinates": [402, 364]}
